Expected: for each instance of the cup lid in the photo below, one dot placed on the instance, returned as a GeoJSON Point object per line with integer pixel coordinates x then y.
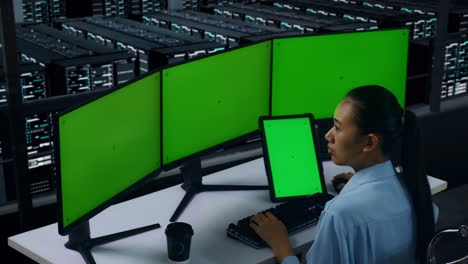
{"type": "Point", "coordinates": [179, 229]}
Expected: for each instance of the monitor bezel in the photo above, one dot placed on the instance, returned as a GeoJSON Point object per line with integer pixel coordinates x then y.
{"type": "Point", "coordinates": [266, 158]}
{"type": "Point", "coordinates": [66, 230]}
{"type": "Point", "coordinates": [314, 34]}
{"type": "Point", "coordinates": [226, 144]}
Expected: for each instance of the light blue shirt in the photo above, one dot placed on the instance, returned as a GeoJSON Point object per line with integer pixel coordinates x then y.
{"type": "Point", "coordinates": [370, 221]}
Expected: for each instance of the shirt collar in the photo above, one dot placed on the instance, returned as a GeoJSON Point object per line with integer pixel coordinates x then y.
{"type": "Point", "coordinates": [377, 172]}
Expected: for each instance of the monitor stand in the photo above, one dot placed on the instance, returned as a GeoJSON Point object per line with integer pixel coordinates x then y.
{"type": "Point", "coordinates": [193, 185]}
{"type": "Point", "coordinates": [80, 240]}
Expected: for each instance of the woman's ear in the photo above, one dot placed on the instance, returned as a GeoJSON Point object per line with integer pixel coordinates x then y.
{"type": "Point", "coordinates": [372, 142]}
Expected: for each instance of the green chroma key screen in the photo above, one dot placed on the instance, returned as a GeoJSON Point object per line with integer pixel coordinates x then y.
{"type": "Point", "coordinates": [312, 74]}
{"type": "Point", "coordinates": [214, 100]}
{"type": "Point", "coordinates": [291, 153]}
{"type": "Point", "coordinates": [108, 145]}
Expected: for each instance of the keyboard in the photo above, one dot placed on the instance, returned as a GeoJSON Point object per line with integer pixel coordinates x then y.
{"type": "Point", "coordinates": [297, 215]}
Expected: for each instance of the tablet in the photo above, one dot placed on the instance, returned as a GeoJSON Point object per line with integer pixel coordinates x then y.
{"type": "Point", "coordinates": [290, 153]}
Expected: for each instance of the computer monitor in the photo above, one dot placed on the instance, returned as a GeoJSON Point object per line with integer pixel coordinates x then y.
{"type": "Point", "coordinates": [210, 103]}
{"type": "Point", "coordinates": [105, 149]}
{"type": "Point", "coordinates": [312, 74]}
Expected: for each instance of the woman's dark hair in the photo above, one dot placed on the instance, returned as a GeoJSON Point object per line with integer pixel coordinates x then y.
{"type": "Point", "coordinates": [378, 111]}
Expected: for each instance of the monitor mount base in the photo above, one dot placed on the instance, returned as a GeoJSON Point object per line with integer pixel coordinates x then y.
{"type": "Point", "coordinates": [81, 241]}
{"type": "Point", "coordinates": [192, 173]}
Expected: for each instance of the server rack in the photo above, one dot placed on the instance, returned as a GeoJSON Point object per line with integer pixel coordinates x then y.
{"type": "Point", "coordinates": [279, 16]}
{"type": "Point", "coordinates": [77, 65]}
{"type": "Point", "coordinates": [46, 11]}
{"type": "Point", "coordinates": [357, 26]}
{"type": "Point", "coordinates": [43, 11]}
{"type": "Point", "coordinates": [455, 78]}
{"type": "Point", "coordinates": [458, 20]}
{"type": "Point", "coordinates": [153, 47]}
{"type": "Point", "coordinates": [175, 46]}
{"type": "Point", "coordinates": [455, 68]}
{"type": "Point", "coordinates": [424, 29]}
{"type": "Point", "coordinates": [271, 36]}
{"type": "Point", "coordinates": [241, 26]}
{"type": "Point", "coordinates": [256, 16]}
{"type": "Point", "coordinates": [458, 13]}
{"type": "Point", "coordinates": [140, 48]}
{"type": "Point", "coordinates": [227, 37]}
{"type": "Point", "coordinates": [125, 8]}
{"type": "Point", "coordinates": [138, 7]}
{"type": "Point", "coordinates": [57, 9]}
{"type": "Point", "coordinates": [421, 25]}
{"type": "Point", "coordinates": [192, 4]}
{"type": "Point", "coordinates": [109, 7]}
{"type": "Point", "coordinates": [263, 31]}
{"type": "Point", "coordinates": [36, 11]}
{"type": "Point", "coordinates": [32, 80]}
{"type": "Point", "coordinates": [38, 143]}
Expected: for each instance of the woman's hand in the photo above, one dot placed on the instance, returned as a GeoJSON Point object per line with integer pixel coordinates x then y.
{"type": "Point", "coordinates": [340, 180]}
{"type": "Point", "coordinates": [274, 233]}
{"type": "Point", "coordinates": [344, 175]}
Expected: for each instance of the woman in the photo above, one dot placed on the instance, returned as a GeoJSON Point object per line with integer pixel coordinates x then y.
{"type": "Point", "coordinates": [379, 216]}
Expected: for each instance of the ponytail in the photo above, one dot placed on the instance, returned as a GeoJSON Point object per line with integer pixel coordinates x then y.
{"type": "Point", "coordinates": [415, 180]}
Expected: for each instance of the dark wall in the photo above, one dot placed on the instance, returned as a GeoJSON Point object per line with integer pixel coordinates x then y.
{"type": "Point", "coordinates": [79, 8]}
{"type": "Point", "coordinates": [445, 140]}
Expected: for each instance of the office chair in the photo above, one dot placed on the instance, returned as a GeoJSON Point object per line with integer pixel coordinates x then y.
{"type": "Point", "coordinates": [449, 246]}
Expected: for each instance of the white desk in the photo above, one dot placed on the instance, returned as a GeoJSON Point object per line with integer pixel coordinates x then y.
{"type": "Point", "coordinates": [209, 214]}
{"type": "Point", "coordinates": [330, 170]}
